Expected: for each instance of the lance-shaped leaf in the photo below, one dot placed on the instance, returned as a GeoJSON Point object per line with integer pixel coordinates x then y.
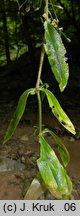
{"type": "Point", "coordinates": [61, 147]}
{"type": "Point", "coordinates": [59, 112]}
{"type": "Point", "coordinates": [56, 55]}
{"type": "Point", "coordinates": [18, 114]}
{"type": "Point", "coordinates": [52, 172]}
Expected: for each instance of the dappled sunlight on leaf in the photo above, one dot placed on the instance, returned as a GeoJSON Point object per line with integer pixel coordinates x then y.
{"type": "Point", "coordinates": [56, 55]}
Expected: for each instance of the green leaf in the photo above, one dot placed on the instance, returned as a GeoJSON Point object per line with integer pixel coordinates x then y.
{"type": "Point", "coordinates": [52, 172]}
{"type": "Point", "coordinates": [56, 55]}
{"type": "Point", "coordinates": [61, 147]}
{"type": "Point", "coordinates": [18, 114]}
{"type": "Point", "coordinates": [59, 112]}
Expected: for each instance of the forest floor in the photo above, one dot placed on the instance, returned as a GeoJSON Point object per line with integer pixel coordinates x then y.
{"type": "Point", "coordinates": [18, 157]}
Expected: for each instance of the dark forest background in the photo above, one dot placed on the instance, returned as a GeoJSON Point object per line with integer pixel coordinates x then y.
{"type": "Point", "coordinates": [21, 35]}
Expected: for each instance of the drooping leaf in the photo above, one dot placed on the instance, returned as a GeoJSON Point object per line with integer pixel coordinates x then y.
{"type": "Point", "coordinates": [61, 147]}
{"type": "Point", "coordinates": [18, 114]}
{"type": "Point", "coordinates": [52, 172]}
{"type": "Point", "coordinates": [59, 112]}
{"type": "Point", "coordinates": [56, 55]}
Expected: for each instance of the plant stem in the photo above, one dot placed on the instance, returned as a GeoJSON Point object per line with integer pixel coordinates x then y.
{"type": "Point", "coordinates": [54, 10]}
{"type": "Point", "coordinates": [46, 8]}
{"type": "Point", "coordinates": [39, 76]}
{"type": "Point", "coordinates": [38, 91]}
{"type": "Point", "coordinates": [40, 111]}
{"type": "Point", "coordinates": [40, 68]}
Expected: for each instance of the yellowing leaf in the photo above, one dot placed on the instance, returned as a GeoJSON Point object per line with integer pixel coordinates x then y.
{"type": "Point", "coordinates": [59, 112]}
{"type": "Point", "coordinates": [52, 172]}
{"type": "Point", "coordinates": [61, 147]}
